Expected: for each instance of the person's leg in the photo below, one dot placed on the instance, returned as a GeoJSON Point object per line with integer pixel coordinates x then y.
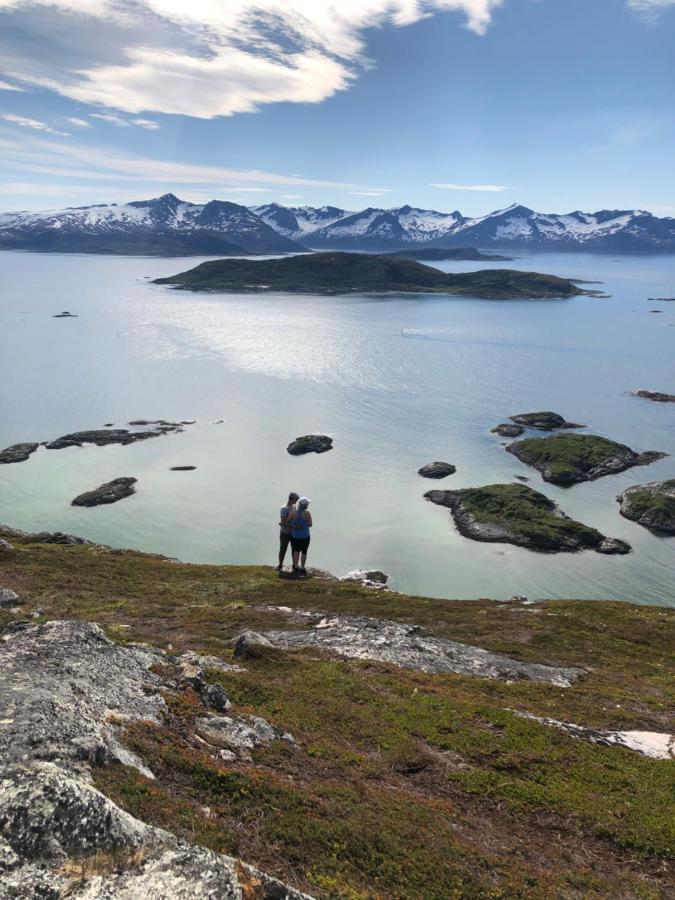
{"type": "Point", "coordinates": [303, 557]}
{"type": "Point", "coordinates": [284, 541]}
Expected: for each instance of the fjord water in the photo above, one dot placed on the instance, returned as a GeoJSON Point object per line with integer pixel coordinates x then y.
{"type": "Point", "coordinates": [397, 381]}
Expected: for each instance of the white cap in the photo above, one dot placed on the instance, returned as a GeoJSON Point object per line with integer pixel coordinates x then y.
{"type": "Point", "coordinates": [304, 501]}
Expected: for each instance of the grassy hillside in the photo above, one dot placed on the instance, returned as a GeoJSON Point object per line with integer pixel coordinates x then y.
{"type": "Point", "coordinates": [336, 273]}
{"type": "Point", "coordinates": [402, 784]}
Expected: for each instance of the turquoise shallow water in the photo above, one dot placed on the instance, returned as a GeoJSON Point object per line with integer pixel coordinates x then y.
{"type": "Point", "coordinates": [397, 382]}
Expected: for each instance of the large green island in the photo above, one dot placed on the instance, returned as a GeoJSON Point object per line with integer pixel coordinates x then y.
{"type": "Point", "coordinates": [340, 273]}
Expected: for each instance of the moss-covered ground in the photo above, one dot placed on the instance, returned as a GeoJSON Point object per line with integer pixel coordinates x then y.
{"type": "Point", "coordinates": [401, 784]}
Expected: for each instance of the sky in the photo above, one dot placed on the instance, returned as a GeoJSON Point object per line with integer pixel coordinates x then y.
{"type": "Point", "coordinates": [444, 104]}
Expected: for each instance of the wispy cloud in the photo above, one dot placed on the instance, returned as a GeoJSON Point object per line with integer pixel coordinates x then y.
{"type": "Point", "coordinates": [60, 159]}
{"type": "Point", "coordinates": [380, 193]}
{"type": "Point", "coordinates": [489, 188]}
{"type": "Point", "coordinates": [78, 123]}
{"type": "Point", "coordinates": [207, 58]}
{"type": "Point", "coordinates": [34, 124]}
{"type": "Point", "coordinates": [6, 86]}
{"type": "Point", "coordinates": [651, 8]}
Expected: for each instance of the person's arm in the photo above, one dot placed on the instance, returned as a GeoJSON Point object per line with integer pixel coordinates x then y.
{"type": "Point", "coordinates": [283, 519]}
{"type": "Point", "coordinates": [308, 517]}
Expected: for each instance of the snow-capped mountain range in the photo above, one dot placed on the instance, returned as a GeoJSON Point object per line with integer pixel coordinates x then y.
{"type": "Point", "coordinates": [169, 226]}
{"type": "Point", "coordinates": [163, 226]}
{"type": "Point", "coordinates": [517, 227]}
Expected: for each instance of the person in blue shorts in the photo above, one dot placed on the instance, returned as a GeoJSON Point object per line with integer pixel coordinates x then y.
{"type": "Point", "coordinates": [300, 521]}
{"type": "Point", "coordinates": [285, 528]}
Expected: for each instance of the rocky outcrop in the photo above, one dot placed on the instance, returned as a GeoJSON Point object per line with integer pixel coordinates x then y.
{"type": "Point", "coordinates": [17, 453]}
{"type": "Point", "coordinates": [371, 578]}
{"type": "Point", "coordinates": [567, 459]}
{"type": "Point", "coordinates": [409, 646]}
{"type": "Point", "coordinates": [310, 443]}
{"type": "Point", "coordinates": [649, 743]}
{"type": "Point", "coordinates": [437, 470]}
{"type": "Point", "coordinates": [517, 514]}
{"type": "Point", "coordinates": [651, 505]}
{"type": "Point", "coordinates": [103, 437]}
{"type": "Point", "coordinates": [182, 468]}
{"type": "Point", "coordinates": [239, 735]}
{"type": "Point", "coordinates": [543, 421]}
{"type": "Point", "coordinates": [110, 492]}
{"type": "Point", "coordinates": [656, 396]}
{"type": "Point", "coordinates": [58, 537]}
{"type": "Point", "coordinates": [65, 315]}
{"type": "Point", "coordinates": [66, 690]}
{"type": "Point", "coordinates": [506, 430]}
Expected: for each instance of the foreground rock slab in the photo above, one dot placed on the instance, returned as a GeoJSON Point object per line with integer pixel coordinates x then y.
{"type": "Point", "coordinates": [110, 492]}
{"type": "Point", "coordinates": [567, 459]}
{"type": "Point", "coordinates": [651, 505]}
{"type": "Point", "coordinates": [361, 637]}
{"type": "Point", "coordinates": [65, 688]}
{"type": "Point", "coordinates": [517, 514]}
{"type": "Point", "coordinates": [17, 453]}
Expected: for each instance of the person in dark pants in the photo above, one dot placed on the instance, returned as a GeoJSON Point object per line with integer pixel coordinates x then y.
{"type": "Point", "coordinates": [285, 528]}
{"type": "Point", "coordinates": [300, 521]}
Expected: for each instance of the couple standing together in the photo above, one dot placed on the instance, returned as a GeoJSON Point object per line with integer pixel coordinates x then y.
{"type": "Point", "coordinates": [295, 520]}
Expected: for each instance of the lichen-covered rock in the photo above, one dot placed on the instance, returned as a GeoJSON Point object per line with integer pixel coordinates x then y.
{"type": "Point", "coordinates": [361, 637]}
{"type": "Point", "coordinates": [47, 815]}
{"type": "Point", "coordinates": [110, 492]}
{"type": "Point", "coordinates": [62, 684]}
{"type": "Point", "coordinates": [5, 546]}
{"type": "Point", "coordinates": [310, 443]}
{"type": "Point", "coordinates": [651, 505]}
{"type": "Point", "coordinates": [17, 453]}
{"type": "Point", "coordinates": [437, 470]}
{"type": "Point", "coordinates": [239, 734]}
{"type": "Point", "coordinates": [249, 645]}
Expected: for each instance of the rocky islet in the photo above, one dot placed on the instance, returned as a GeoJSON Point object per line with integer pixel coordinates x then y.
{"type": "Point", "coordinates": [517, 514]}
{"type": "Point", "coordinates": [650, 505]}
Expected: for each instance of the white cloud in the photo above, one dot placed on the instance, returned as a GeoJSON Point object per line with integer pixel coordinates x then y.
{"type": "Point", "coordinates": [489, 188]}
{"type": "Point", "coordinates": [6, 86]}
{"type": "Point", "coordinates": [111, 119]}
{"type": "Point", "coordinates": [650, 6]}
{"type": "Point", "coordinates": [35, 124]}
{"type": "Point", "coordinates": [210, 58]}
{"type": "Point", "coordinates": [149, 124]}
{"type": "Point", "coordinates": [78, 123]}
{"type": "Point", "coordinates": [370, 193]}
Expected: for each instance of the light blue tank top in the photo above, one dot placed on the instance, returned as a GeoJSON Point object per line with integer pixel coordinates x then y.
{"type": "Point", "coordinates": [299, 528]}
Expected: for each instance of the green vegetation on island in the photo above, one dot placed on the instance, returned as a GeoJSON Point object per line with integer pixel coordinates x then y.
{"type": "Point", "coordinates": [566, 459]}
{"type": "Point", "coordinates": [400, 783]}
{"type": "Point", "coordinates": [651, 505]}
{"type": "Point", "coordinates": [337, 273]}
{"type": "Point", "coordinates": [517, 514]}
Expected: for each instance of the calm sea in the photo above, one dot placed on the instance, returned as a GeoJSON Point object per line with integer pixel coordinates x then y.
{"type": "Point", "coordinates": [397, 382]}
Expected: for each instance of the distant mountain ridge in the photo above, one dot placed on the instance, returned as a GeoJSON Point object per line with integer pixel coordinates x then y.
{"type": "Point", "coordinates": [514, 228]}
{"type": "Point", "coordinates": [162, 226]}
{"type": "Point", "coordinates": [168, 226]}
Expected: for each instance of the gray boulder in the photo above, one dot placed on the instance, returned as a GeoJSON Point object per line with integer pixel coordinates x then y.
{"type": "Point", "coordinates": [8, 598]}
{"type": "Point", "coordinates": [5, 546]}
{"type": "Point", "coordinates": [249, 645]}
{"type": "Point", "coordinates": [17, 453]}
